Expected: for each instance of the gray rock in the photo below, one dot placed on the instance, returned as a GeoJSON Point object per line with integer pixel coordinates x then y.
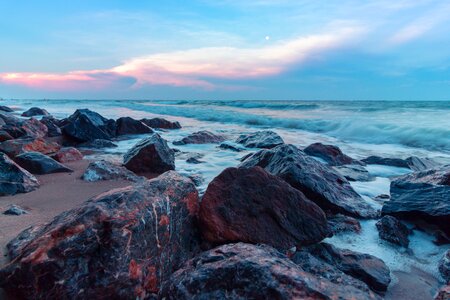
{"type": "Point", "coordinates": [85, 126]}
{"type": "Point", "coordinates": [98, 144]}
{"type": "Point", "coordinates": [262, 139]}
{"type": "Point", "coordinates": [231, 146]}
{"type": "Point", "coordinates": [444, 266]}
{"type": "Point", "coordinates": [354, 173]}
{"type": "Point", "coordinates": [105, 170]}
{"type": "Point", "coordinates": [35, 111]}
{"type": "Point", "coordinates": [127, 125]}
{"type": "Point", "coordinates": [14, 179]}
{"type": "Point", "coordinates": [38, 163]}
{"type": "Point", "coordinates": [15, 210]}
{"type": "Point", "coordinates": [394, 231]}
{"type": "Point", "coordinates": [200, 137]}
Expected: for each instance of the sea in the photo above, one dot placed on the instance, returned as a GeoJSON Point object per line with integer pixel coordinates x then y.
{"type": "Point", "coordinates": [396, 129]}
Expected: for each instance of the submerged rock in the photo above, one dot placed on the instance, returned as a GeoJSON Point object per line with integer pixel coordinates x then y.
{"type": "Point", "coordinates": [444, 266]}
{"type": "Point", "coordinates": [98, 144]}
{"type": "Point", "coordinates": [127, 125]}
{"type": "Point", "coordinates": [422, 195]}
{"type": "Point", "coordinates": [38, 163]}
{"type": "Point", "coordinates": [354, 173]}
{"type": "Point", "coordinates": [161, 123]}
{"type": "Point", "coordinates": [122, 244]}
{"type": "Point", "coordinates": [68, 154]}
{"type": "Point", "coordinates": [244, 271]}
{"type": "Point", "coordinates": [318, 182]}
{"type": "Point", "coordinates": [14, 179]}
{"type": "Point", "coordinates": [200, 137]}
{"type": "Point", "coordinates": [35, 111]}
{"type": "Point", "coordinates": [151, 155]}
{"type": "Point", "coordinates": [394, 231]}
{"type": "Point", "coordinates": [105, 170]}
{"type": "Point", "coordinates": [52, 126]}
{"type": "Point", "coordinates": [330, 154]}
{"type": "Point", "coordinates": [262, 139]}
{"type": "Point", "coordinates": [252, 206]}
{"type": "Point", "coordinates": [231, 146]}
{"type": "Point", "coordinates": [15, 210]}
{"type": "Point", "coordinates": [15, 147]}
{"type": "Point", "coordinates": [85, 126]}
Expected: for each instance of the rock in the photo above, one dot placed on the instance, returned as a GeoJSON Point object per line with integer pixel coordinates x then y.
{"type": "Point", "coordinates": [161, 123]}
{"type": "Point", "coordinates": [127, 125]}
{"type": "Point", "coordinates": [244, 271]}
{"type": "Point", "coordinates": [354, 173]}
{"type": "Point", "coordinates": [444, 266]}
{"type": "Point", "coordinates": [231, 146]}
{"type": "Point", "coordinates": [105, 170]}
{"type": "Point", "coordinates": [14, 179]}
{"type": "Point", "coordinates": [194, 160]}
{"type": "Point", "coordinates": [394, 231]}
{"type": "Point", "coordinates": [252, 206]}
{"type": "Point", "coordinates": [367, 268]}
{"type": "Point", "coordinates": [121, 244]}
{"type": "Point", "coordinates": [423, 196]}
{"type": "Point", "coordinates": [318, 182]}
{"type": "Point", "coordinates": [200, 137]}
{"type": "Point", "coordinates": [12, 148]}
{"type": "Point", "coordinates": [52, 126]}
{"type": "Point", "coordinates": [20, 128]}
{"type": "Point", "coordinates": [413, 162]}
{"type": "Point", "coordinates": [5, 136]}
{"type": "Point", "coordinates": [68, 154]}
{"type": "Point", "coordinates": [151, 154]}
{"type": "Point", "coordinates": [98, 144]}
{"type": "Point", "coordinates": [197, 179]}
{"type": "Point", "coordinates": [85, 126]}
{"type": "Point", "coordinates": [35, 111]}
{"type": "Point", "coordinates": [340, 223]}
{"type": "Point", "coordinates": [15, 210]}
{"type": "Point", "coordinates": [38, 163]}
{"type": "Point", "coordinates": [261, 139]}
{"type": "Point", "coordinates": [420, 164]}
{"type": "Point", "coordinates": [330, 153]}
{"type": "Point", "coordinates": [6, 108]}
{"type": "Point", "coordinates": [444, 293]}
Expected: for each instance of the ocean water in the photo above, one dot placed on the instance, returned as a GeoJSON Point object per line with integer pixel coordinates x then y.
{"type": "Point", "coordinates": [359, 128]}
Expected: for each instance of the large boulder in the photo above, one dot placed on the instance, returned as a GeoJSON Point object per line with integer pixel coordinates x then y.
{"type": "Point", "coordinates": [127, 125]}
{"type": "Point", "coordinates": [38, 163]}
{"type": "Point", "coordinates": [15, 147]}
{"type": "Point", "coordinates": [106, 170]}
{"type": "Point", "coordinates": [245, 271]}
{"type": "Point", "coordinates": [364, 267]}
{"type": "Point", "coordinates": [444, 266]}
{"type": "Point", "coordinates": [52, 126]}
{"type": "Point", "coordinates": [200, 137]}
{"type": "Point", "coordinates": [14, 179]}
{"type": "Point", "coordinates": [413, 162]}
{"type": "Point", "coordinates": [20, 128]}
{"type": "Point", "coordinates": [85, 125]}
{"type": "Point", "coordinates": [261, 139]}
{"type": "Point", "coordinates": [394, 231]}
{"type": "Point", "coordinates": [150, 155]}
{"type": "Point", "coordinates": [35, 111]}
{"type": "Point", "coordinates": [331, 154]}
{"type": "Point", "coordinates": [422, 195]}
{"type": "Point", "coordinates": [252, 206]}
{"type": "Point", "coordinates": [318, 182]}
{"type": "Point", "coordinates": [121, 244]}
{"type": "Point", "coordinates": [68, 154]}
{"type": "Point", "coordinates": [161, 123]}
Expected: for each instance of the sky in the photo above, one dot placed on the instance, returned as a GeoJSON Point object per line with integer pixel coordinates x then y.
{"type": "Point", "coordinates": [225, 49]}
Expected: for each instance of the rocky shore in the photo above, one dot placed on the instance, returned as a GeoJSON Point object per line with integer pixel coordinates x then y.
{"type": "Point", "coordinates": [77, 228]}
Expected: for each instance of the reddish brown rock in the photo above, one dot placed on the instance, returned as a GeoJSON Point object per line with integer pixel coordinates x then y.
{"type": "Point", "coordinates": [244, 271]}
{"type": "Point", "coordinates": [252, 206]}
{"type": "Point", "coordinates": [161, 123]}
{"type": "Point", "coordinates": [443, 294]}
{"type": "Point", "coordinates": [15, 147]}
{"type": "Point", "coordinates": [5, 136]}
{"type": "Point", "coordinates": [20, 128]}
{"type": "Point", "coordinates": [127, 125]}
{"type": "Point", "coordinates": [330, 154]}
{"type": "Point", "coordinates": [121, 244]}
{"type": "Point", "coordinates": [68, 154]}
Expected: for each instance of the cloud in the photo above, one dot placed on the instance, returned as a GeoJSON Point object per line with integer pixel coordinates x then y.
{"type": "Point", "coordinates": [196, 67]}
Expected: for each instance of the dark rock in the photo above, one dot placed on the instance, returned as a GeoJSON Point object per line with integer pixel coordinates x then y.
{"type": "Point", "coordinates": [52, 126]}
{"type": "Point", "coordinates": [420, 164]}
{"type": "Point", "coordinates": [197, 179]}
{"type": "Point", "coordinates": [444, 266]}
{"type": "Point", "coordinates": [354, 173]}
{"type": "Point", "coordinates": [6, 108]}
{"type": "Point", "coordinates": [414, 163]}
{"type": "Point", "coordinates": [35, 111]}
{"type": "Point", "coordinates": [261, 139]}
{"type": "Point", "coordinates": [367, 268]}
{"type": "Point", "coordinates": [422, 195]}
{"type": "Point", "coordinates": [105, 170]}
{"type": "Point", "coordinates": [121, 244]}
{"type": "Point", "coordinates": [231, 146]}
{"type": "Point", "coordinates": [444, 293]}
{"type": "Point", "coordinates": [127, 125]}
{"type": "Point", "coordinates": [151, 154]}
{"type": "Point", "coordinates": [341, 223]}
{"type": "Point", "coordinates": [68, 154]}
{"type": "Point", "coordinates": [161, 123]}
{"type": "Point", "coordinates": [98, 144]}
{"type": "Point", "coordinates": [85, 126]}
{"type": "Point", "coordinates": [394, 231]}
{"type": "Point", "coordinates": [244, 271]}
{"type": "Point", "coordinates": [193, 160]}
{"type": "Point", "coordinates": [252, 206]}
{"type": "Point", "coordinates": [14, 179]}
{"type": "Point", "coordinates": [318, 182]}
{"type": "Point", "coordinates": [15, 210]}
{"type": "Point", "coordinates": [200, 137]}
{"type": "Point", "coordinates": [5, 136]}
{"type": "Point", "coordinates": [38, 163]}
{"type": "Point", "coordinates": [20, 128]}
{"type": "Point", "coordinates": [15, 147]}
{"type": "Point", "coordinates": [330, 154]}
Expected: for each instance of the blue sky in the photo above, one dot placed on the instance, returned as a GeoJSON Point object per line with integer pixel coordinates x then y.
{"type": "Point", "coordinates": [225, 49]}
